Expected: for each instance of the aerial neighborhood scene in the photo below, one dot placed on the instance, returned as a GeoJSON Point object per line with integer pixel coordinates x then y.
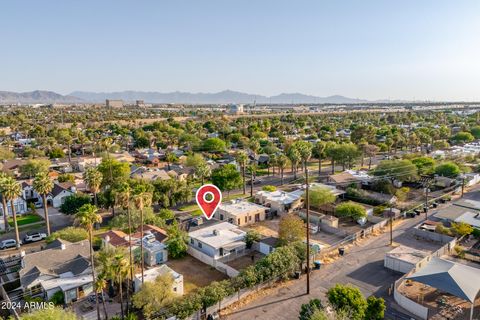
{"type": "Point", "coordinates": [236, 160]}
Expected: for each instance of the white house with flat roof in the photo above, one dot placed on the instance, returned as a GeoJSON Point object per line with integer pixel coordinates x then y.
{"type": "Point", "coordinates": [150, 275]}
{"type": "Point", "coordinates": [218, 239]}
{"type": "Point", "coordinates": [241, 212]}
{"type": "Point", "coordinates": [280, 202]}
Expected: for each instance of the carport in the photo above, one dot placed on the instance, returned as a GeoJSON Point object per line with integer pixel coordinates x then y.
{"type": "Point", "coordinates": [457, 279]}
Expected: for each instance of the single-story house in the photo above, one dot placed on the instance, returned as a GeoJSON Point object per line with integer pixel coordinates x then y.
{"type": "Point", "coordinates": [267, 245]}
{"type": "Point", "coordinates": [62, 266]}
{"type": "Point", "coordinates": [150, 275]}
{"type": "Point", "coordinates": [404, 259]}
{"type": "Point", "coordinates": [217, 239]}
{"type": "Point", "coordinates": [280, 202]}
{"type": "Point", "coordinates": [241, 212]}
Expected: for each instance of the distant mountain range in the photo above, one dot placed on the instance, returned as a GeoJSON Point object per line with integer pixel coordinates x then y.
{"type": "Point", "coordinates": [223, 97]}
{"type": "Point", "coordinates": [37, 96]}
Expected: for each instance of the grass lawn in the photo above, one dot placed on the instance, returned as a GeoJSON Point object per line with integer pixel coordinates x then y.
{"type": "Point", "coordinates": [25, 219]}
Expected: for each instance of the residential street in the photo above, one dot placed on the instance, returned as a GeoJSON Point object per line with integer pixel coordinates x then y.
{"type": "Point", "coordinates": [362, 267]}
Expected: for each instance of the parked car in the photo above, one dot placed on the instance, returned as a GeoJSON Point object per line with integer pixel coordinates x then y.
{"type": "Point", "coordinates": [255, 181]}
{"type": "Point", "coordinates": [9, 243]}
{"type": "Point", "coordinates": [34, 237]}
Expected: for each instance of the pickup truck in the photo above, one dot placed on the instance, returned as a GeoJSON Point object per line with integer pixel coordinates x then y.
{"type": "Point", "coordinates": [34, 237]}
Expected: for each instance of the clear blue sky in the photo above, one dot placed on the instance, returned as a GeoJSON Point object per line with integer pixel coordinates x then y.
{"type": "Point", "coordinates": [366, 49]}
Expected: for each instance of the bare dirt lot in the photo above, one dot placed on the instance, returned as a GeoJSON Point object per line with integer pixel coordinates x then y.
{"type": "Point", "coordinates": [245, 261]}
{"type": "Point", "coordinates": [195, 273]}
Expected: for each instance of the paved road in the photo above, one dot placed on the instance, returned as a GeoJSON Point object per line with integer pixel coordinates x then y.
{"type": "Point", "coordinates": [362, 266]}
{"type": "Point", "coordinates": [58, 221]}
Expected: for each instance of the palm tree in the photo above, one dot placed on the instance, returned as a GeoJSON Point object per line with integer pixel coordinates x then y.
{"type": "Point", "coordinates": [3, 178]}
{"type": "Point", "coordinates": [141, 198]}
{"type": "Point", "coordinates": [305, 150]}
{"type": "Point", "coordinates": [93, 178]}
{"type": "Point", "coordinates": [86, 218]}
{"type": "Point", "coordinates": [120, 268]}
{"type": "Point", "coordinates": [100, 286]}
{"type": "Point", "coordinates": [273, 162]}
{"type": "Point", "coordinates": [318, 150]}
{"type": "Point", "coordinates": [11, 191]}
{"type": "Point", "coordinates": [44, 185]}
{"type": "Point", "coordinates": [282, 161]}
{"type": "Point", "coordinates": [295, 157]}
{"type": "Point", "coordinates": [252, 169]}
{"type": "Point", "coordinates": [242, 159]}
{"type": "Point", "coordinates": [122, 197]}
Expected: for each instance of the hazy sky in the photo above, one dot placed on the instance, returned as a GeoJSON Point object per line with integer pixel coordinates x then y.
{"type": "Point", "coordinates": [359, 48]}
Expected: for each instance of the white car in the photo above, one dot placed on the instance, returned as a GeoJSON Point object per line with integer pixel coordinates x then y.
{"type": "Point", "coordinates": [34, 237]}
{"type": "Point", "coordinates": [9, 243]}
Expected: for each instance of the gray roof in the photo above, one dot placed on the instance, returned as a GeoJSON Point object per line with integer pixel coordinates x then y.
{"type": "Point", "coordinates": [55, 261]}
{"type": "Point", "coordinates": [457, 279]}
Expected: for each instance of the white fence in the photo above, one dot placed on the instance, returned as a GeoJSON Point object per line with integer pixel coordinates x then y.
{"type": "Point", "coordinates": [220, 266]}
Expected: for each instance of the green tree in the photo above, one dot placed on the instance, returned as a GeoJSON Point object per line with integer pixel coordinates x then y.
{"type": "Point", "coordinates": [475, 131]}
{"type": "Point", "coordinates": [154, 296]}
{"type": "Point", "coordinates": [176, 242]}
{"type": "Point", "coordinates": [113, 171]}
{"type": "Point", "coordinates": [348, 299]}
{"type": "Point", "coordinates": [401, 170]}
{"type": "Point", "coordinates": [282, 161]}
{"type": "Point", "coordinates": [44, 185]}
{"type": "Point", "coordinates": [319, 196]}
{"type": "Point", "coordinates": [351, 210]}
{"type": "Point", "coordinates": [87, 217]}
{"type": "Point", "coordinates": [447, 169]}
{"type": "Point", "coordinates": [291, 229]}
{"type": "Point", "coordinates": [424, 165]}
{"type": "Point", "coordinates": [226, 178]}
{"type": "Point", "coordinates": [33, 167]}
{"type": "Point", "coordinates": [463, 137]}
{"type": "Point", "coordinates": [269, 188]}
{"type": "Point", "coordinates": [242, 160]}
{"type": "Point", "coordinates": [142, 198]}
{"type": "Point", "coordinates": [251, 237]}
{"type": "Point", "coordinates": [308, 309]}
{"type": "Point", "coordinates": [461, 228]}
{"type": "Point", "coordinates": [50, 314]}
{"type": "Point", "coordinates": [375, 308]}
{"type": "Point", "coordinates": [214, 145]}
{"type": "Point", "coordinates": [74, 202]}
{"type": "Point", "coordinates": [318, 153]}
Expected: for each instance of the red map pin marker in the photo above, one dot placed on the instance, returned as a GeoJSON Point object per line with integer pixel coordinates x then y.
{"type": "Point", "coordinates": [208, 198]}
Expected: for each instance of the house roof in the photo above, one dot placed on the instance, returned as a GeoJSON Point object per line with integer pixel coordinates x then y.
{"type": "Point", "coordinates": [344, 177]}
{"type": "Point", "coordinates": [59, 188]}
{"type": "Point", "coordinates": [457, 279]}
{"type": "Point", "coordinates": [407, 254]}
{"type": "Point", "coordinates": [218, 235]}
{"type": "Point", "coordinates": [270, 241]}
{"type": "Point", "coordinates": [281, 196]}
{"type": "Point", "coordinates": [115, 237]}
{"type": "Point", "coordinates": [239, 207]}
{"type": "Point", "coordinates": [153, 273]}
{"type": "Point", "coordinates": [55, 261]}
{"type": "Point", "coordinates": [159, 233]}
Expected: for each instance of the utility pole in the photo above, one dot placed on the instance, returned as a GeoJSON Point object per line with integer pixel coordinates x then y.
{"type": "Point", "coordinates": [463, 184]}
{"type": "Point", "coordinates": [426, 201]}
{"type": "Point", "coordinates": [391, 225]}
{"type": "Point", "coordinates": [307, 204]}
{"type": "Point", "coordinates": [251, 181]}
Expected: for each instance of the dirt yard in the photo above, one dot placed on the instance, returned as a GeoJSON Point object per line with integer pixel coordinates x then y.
{"type": "Point", "coordinates": [267, 228]}
{"type": "Point", "coordinates": [245, 261]}
{"type": "Point", "coordinates": [195, 273]}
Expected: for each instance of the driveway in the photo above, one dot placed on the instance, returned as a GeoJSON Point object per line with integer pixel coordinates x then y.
{"type": "Point", "coordinates": [362, 267]}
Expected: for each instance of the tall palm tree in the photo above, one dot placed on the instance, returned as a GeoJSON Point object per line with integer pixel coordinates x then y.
{"type": "Point", "coordinates": [3, 178]}
{"type": "Point", "coordinates": [44, 185]}
{"type": "Point", "coordinates": [318, 150]}
{"type": "Point", "coordinates": [100, 286]}
{"type": "Point", "coordinates": [141, 198]}
{"type": "Point", "coordinates": [294, 156]}
{"type": "Point", "coordinates": [242, 159]}
{"type": "Point", "coordinates": [305, 150]}
{"type": "Point", "coordinates": [86, 218]}
{"type": "Point", "coordinates": [121, 269]}
{"type": "Point", "coordinates": [122, 198]}
{"type": "Point", "coordinates": [282, 161]}
{"type": "Point", "coordinates": [273, 162]}
{"type": "Point", "coordinates": [94, 179]}
{"type": "Point", "coordinates": [11, 191]}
